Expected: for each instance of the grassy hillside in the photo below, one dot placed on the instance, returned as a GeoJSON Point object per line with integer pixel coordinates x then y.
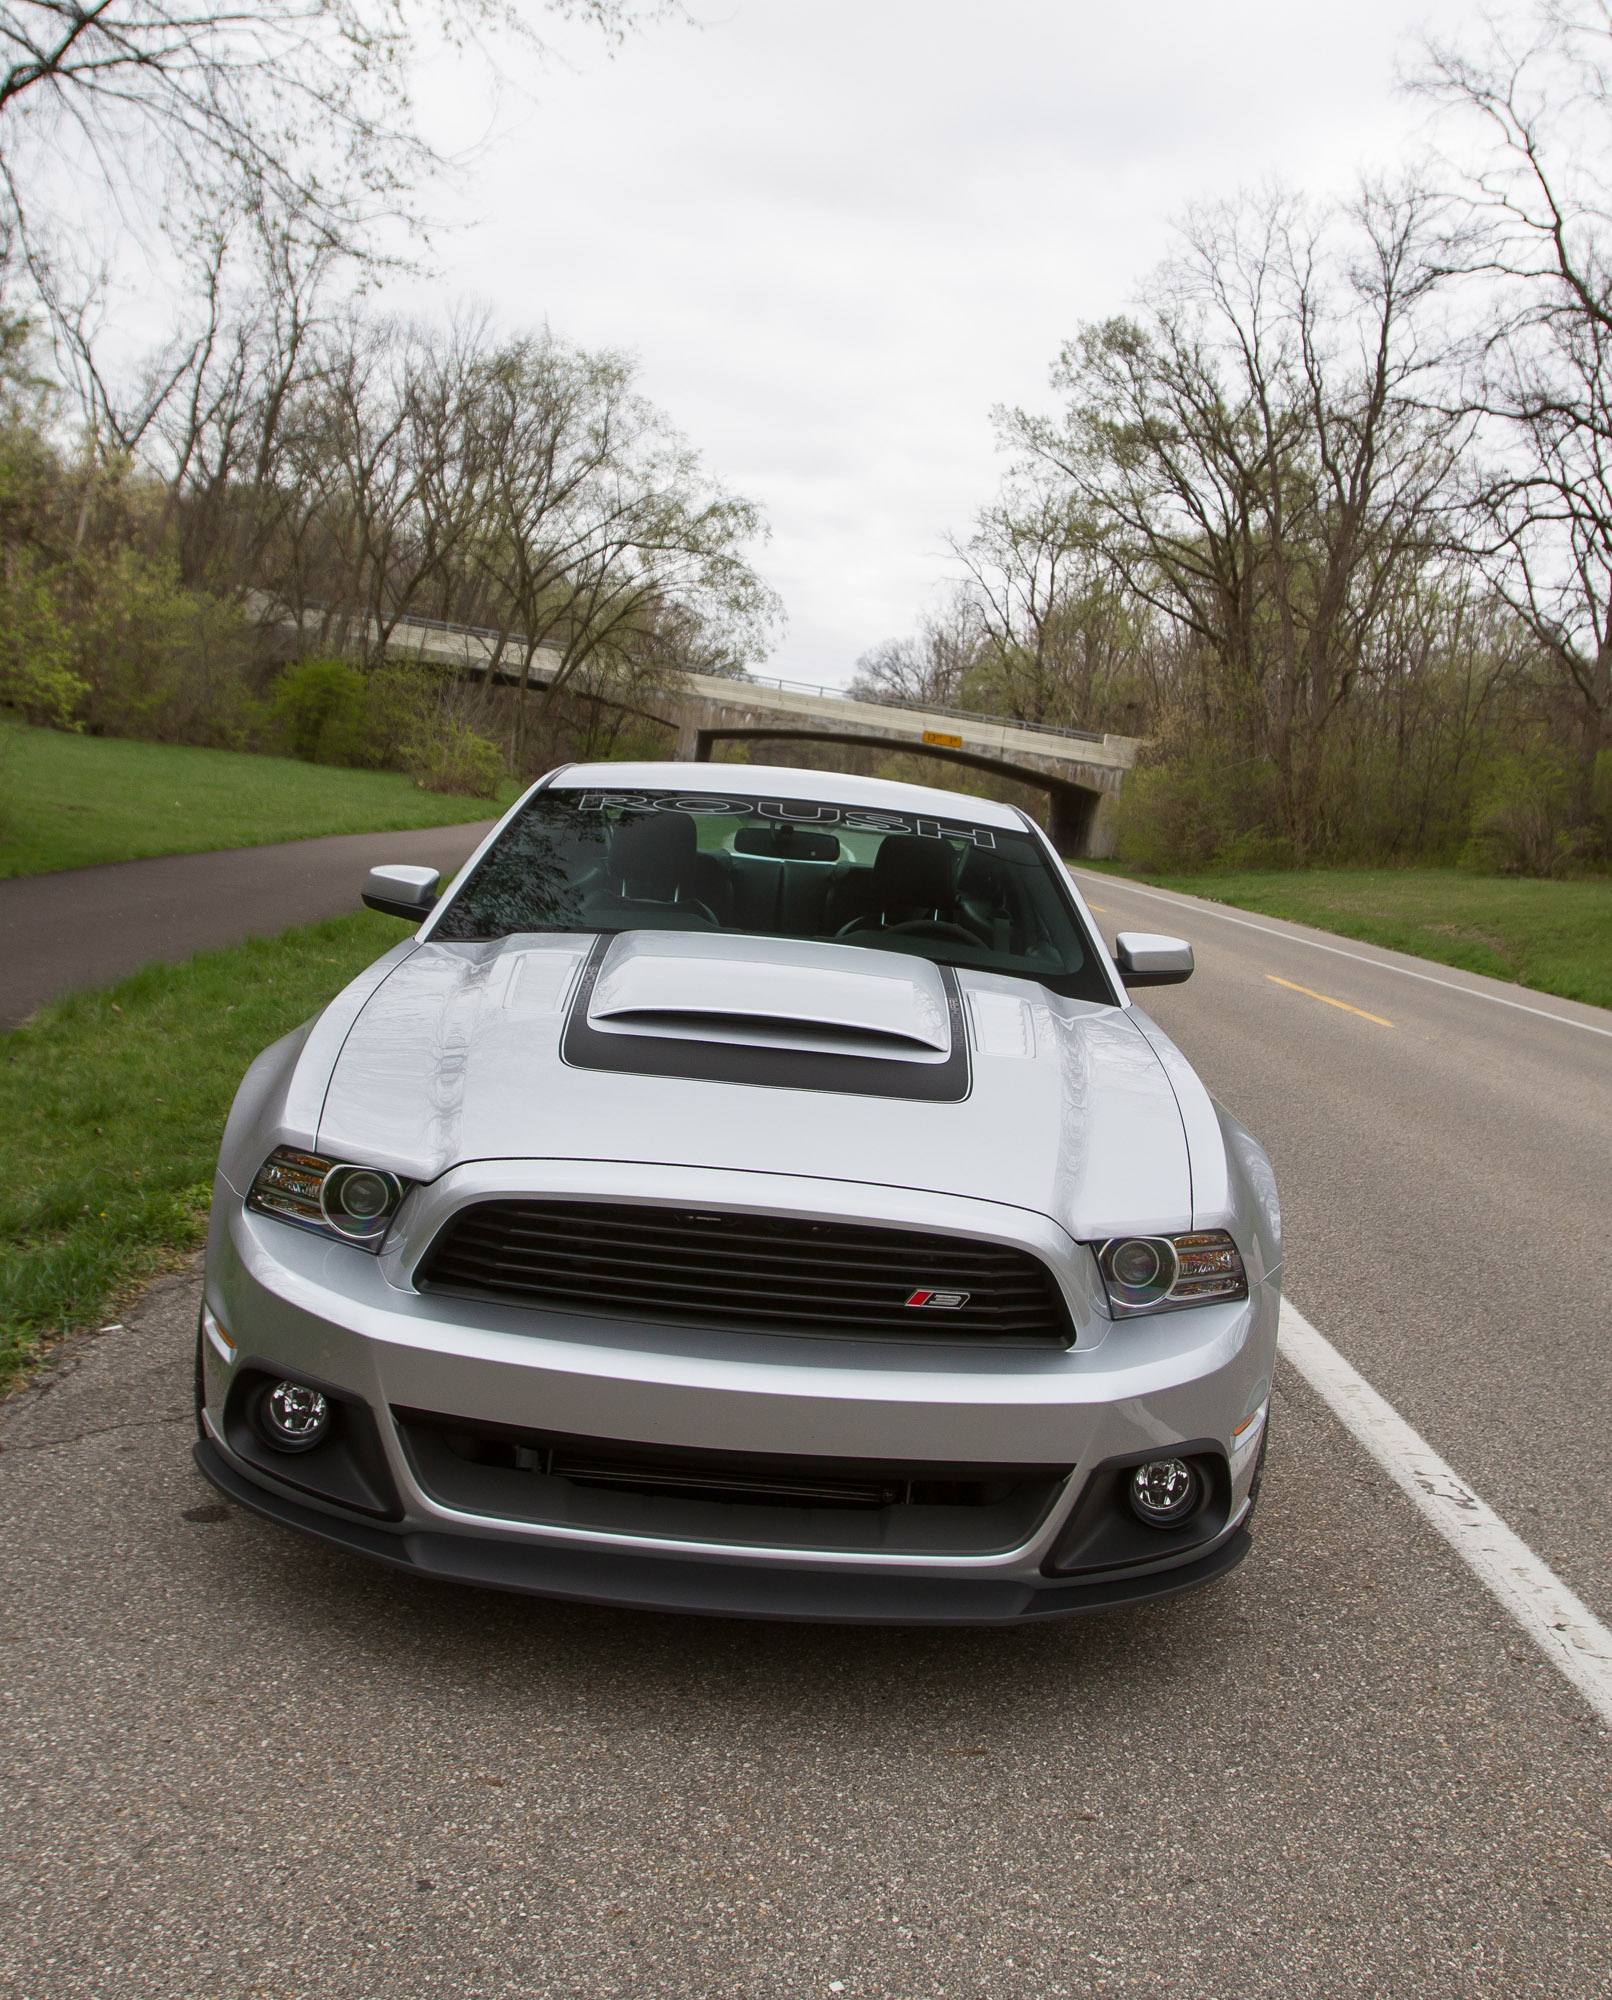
{"type": "Point", "coordinates": [1553, 936]}
{"type": "Point", "coordinates": [67, 801]}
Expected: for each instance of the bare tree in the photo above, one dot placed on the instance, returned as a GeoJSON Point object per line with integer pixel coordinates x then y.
{"type": "Point", "coordinates": [1259, 456]}
{"type": "Point", "coordinates": [303, 104]}
{"type": "Point", "coordinates": [219, 427]}
{"type": "Point", "coordinates": [1055, 627]}
{"type": "Point", "coordinates": [1532, 112]}
{"type": "Point", "coordinates": [363, 471]}
{"type": "Point", "coordinates": [929, 669]}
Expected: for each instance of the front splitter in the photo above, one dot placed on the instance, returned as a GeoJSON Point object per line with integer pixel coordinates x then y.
{"type": "Point", "coordinates": [716, 1590]}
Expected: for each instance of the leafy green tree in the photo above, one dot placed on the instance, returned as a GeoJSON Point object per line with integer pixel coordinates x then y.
{"type": "Point", "coordinates": [37, 680]}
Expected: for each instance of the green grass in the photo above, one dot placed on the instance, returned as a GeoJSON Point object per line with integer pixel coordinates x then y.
{"type": "Point", "coordinates": [67, 801]}
{"type": "Point", "coordinates": [112, 1104]}
{"type": "Point", "coordinates": [1553, 936]}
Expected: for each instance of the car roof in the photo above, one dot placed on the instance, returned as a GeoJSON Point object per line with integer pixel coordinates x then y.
{"type": "Point", "coordinates": [775, 781]}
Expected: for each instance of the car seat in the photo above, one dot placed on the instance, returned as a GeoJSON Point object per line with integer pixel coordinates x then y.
{"type": "Point", "coordinates": [913, 887]}
{"type": "Point", "coordinates": [986, 899]}
{"type": "Point", "coordinates": [651, 871]}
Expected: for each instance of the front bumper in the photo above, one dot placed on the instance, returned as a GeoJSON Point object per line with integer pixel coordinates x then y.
{"type": "Point", "coordinates": [333, 1315]}
{"type": "Point", "coordinates": [717, 1590]}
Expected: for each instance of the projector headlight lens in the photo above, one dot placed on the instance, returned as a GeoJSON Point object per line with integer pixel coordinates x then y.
{"type": "Point", "coordinates": [1144, 1274]}
{"type": "Point", "coordinates": [1142, 1267]}
{"type": "Point", "coordinates": [354, 1203]}
{"type": "Point", "coordinates": [354, 1199]}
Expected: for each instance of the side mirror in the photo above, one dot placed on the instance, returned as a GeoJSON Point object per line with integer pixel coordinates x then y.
{"type": "Point", "coordinates": [1146, 960]}
{"type": "Point", "coordinates": [398, 890]}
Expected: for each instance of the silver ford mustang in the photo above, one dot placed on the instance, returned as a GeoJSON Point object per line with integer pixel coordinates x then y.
{"type": "Point", "coordinates": [760, 1201]}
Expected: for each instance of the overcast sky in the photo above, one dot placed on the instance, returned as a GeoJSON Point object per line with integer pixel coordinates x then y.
{"type": "Point", "coordinates": [836, 232]}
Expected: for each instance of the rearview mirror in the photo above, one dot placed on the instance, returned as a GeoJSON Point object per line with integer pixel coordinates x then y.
{"type": "Point", "coordinates": [787, 843]}
{"type": "Point", "coordinates": [1146, 960]}
{"type": "Point", "coordinates": [398, 889]}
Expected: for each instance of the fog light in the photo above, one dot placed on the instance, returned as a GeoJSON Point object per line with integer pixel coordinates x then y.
{"type": "Point", "coordinates": [295, 1417]}
{"type": "Point", "coordinates": [1165, 1491]}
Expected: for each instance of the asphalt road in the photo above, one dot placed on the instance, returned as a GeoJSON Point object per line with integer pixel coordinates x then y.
{"type": "Point", "coordinates": [1446, 1186]}
{"type": "Point", "coordinates": [86, 926]}
{"type": "Point", "coordinates": [236, 1765]}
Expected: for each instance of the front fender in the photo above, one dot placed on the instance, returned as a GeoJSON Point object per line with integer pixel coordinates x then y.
{"type": "Point", "coordinates": [1256, 1211]}
{"type": "Point", "coordinates": [256, 1121]}
{"type": "Point", "coordinates": [283, 1092]}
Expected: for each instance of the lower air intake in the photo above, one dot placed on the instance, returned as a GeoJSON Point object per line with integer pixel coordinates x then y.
{"type": "Point", "coordinates": [673, 1493]}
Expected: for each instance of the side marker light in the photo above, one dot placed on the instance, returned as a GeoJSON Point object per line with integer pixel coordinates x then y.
{"type": "Point", "coordinates": [1245, 1438]}
{"type": "Point", "coordinates": [214, 1329]}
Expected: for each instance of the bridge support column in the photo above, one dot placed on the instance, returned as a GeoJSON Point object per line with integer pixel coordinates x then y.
{"type": "Point", "coordinates": [1080, 822]}
{"type": "Point", "coordinates": [1072, 819]}
{"type": "Point", "coordinates": [1103, 838]}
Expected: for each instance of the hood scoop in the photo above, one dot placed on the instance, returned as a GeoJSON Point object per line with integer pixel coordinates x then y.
{"type": "Point", "coordinates": [785, 1012]}
{"type": "Point", "coordinates": [780, 993]}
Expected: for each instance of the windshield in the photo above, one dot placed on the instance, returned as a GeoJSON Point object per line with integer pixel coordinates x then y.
{"type": "Point", "coordinates": [942, 889]}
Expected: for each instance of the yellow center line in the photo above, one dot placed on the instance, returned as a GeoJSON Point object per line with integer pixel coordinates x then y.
{"type": "Point", "coordinates": [1310, 993]}
{"type": "Point", "coordinates": [1098, 908]}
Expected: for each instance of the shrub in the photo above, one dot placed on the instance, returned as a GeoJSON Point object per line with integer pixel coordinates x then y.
{"type": "Point", "coordinates": [401, 704]}
{"type": "Point", "coordinates": [36, 648]}
{"type": "Point", "coordinates": [320, 711]}
{"type": "Point", "coordinates": [1520, 825]}
{"type": "Point", "coordinates": [451, 758]}
{"type": "Point", "coordinates": [1185, 815]}
{"type": "Point", "coordinates": [160, 660]}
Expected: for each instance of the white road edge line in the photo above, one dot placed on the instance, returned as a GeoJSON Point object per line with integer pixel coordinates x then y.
{"type": "Point", "coordinates": [1428, 978]}
{"type": "Point", "coordinates": [1560, 1624]}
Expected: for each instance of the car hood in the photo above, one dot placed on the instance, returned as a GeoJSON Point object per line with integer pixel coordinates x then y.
{"type": "Point", "coordinates": [455, 1056]}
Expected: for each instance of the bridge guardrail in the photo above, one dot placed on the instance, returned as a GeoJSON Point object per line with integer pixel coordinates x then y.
{"type": "Point", "coordinates": [518, 643]}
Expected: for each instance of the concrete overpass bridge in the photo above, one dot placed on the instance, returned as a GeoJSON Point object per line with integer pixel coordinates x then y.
{"type": "Point", "coordinates": [1080, 772]}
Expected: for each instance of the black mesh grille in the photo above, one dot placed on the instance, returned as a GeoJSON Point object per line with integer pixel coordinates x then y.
{"type": "Point", "coordinates": [787, 1274]}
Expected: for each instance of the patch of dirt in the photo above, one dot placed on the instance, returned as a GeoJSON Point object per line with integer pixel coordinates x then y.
{"type": "Point", "coordinates": [1470, 934]}
{"type": "Point", "coordinates": [56, 1355]}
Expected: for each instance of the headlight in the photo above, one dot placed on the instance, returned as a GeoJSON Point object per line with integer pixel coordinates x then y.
{"type": "Point", "coordinates": [355, 1204]}
{"type": "Point", "coordinates": [1144, 1274]}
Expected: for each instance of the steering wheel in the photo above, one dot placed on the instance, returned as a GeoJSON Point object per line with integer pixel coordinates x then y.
{"type": "Point", "coordinates": [604, 903]}
{"type": "Point", "coordinates": [927, 927]}
{"type": "Point", "coordinates": [940, 930]}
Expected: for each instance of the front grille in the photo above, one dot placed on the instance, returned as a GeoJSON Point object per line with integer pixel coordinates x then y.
{"type": "Point", "coordinates": [786, 1274]}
